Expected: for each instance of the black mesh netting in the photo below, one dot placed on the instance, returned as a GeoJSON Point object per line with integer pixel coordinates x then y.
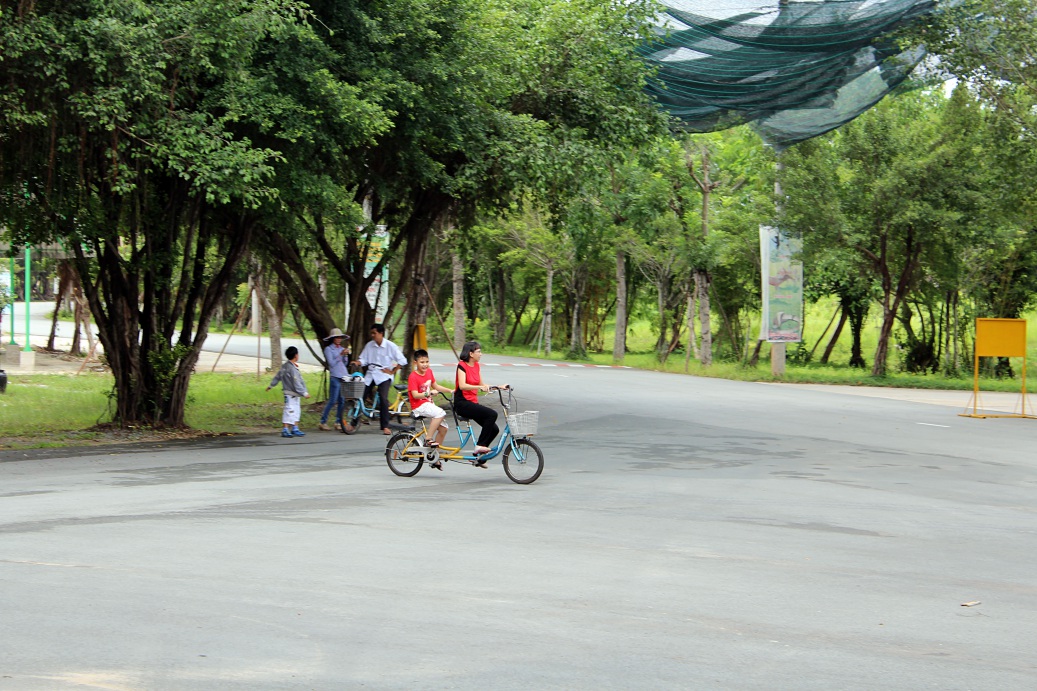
{"type": "Point", "coordinates": [794, 70]}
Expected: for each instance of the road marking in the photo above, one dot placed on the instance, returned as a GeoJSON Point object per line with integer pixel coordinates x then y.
{"type": "Point", "coordinates": [536, 364]}
{"type": "Point", "coordinates": [929, 424]}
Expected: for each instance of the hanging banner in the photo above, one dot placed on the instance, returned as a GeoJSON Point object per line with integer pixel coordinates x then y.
{"type": "Point", "coordinates": [378, 292]}
{"type": "Point", "coordinates": [782, 309]}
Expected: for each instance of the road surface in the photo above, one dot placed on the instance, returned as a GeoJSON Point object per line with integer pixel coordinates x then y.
{"type": "Point", "coordinates": [687, 533]}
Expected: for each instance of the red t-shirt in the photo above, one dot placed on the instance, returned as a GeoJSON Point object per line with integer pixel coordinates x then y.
{"type": "Point", "coordinates": [419, 382]}
{"type": "Point", "coordinates": [471, 376]}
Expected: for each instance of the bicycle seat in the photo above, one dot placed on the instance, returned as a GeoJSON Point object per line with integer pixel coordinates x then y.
{"type": "Point", "coordinates": [400, 387]}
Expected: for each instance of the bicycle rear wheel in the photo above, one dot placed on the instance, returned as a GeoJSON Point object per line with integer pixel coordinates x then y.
{"type": "Point", "coordinates": [402, 454]}
{"type": "Point", "coordinates": [524, 462]}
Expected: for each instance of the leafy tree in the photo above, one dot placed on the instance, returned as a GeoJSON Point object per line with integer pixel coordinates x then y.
{"type": "Point", "coordinates": [126, 131]}
{"type": "Point", "coordinates": [989, 45]}
{"type": "Point", "coordinates": [898, 202]}
{"type": "Point", "coordinates": [486, 101]}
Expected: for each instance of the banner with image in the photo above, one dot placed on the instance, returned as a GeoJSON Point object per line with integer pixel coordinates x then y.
{"type": "Point", "coordinates": [782, 272]}
{"type": "Point", "coordinates": [378, 292]}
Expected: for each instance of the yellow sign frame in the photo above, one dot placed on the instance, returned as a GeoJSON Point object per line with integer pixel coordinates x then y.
{"type": "Point", "coordinates": [998, 338]}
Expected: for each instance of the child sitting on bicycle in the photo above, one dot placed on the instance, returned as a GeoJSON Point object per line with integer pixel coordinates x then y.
{"type": "Point", "coordinates": [421, 385]}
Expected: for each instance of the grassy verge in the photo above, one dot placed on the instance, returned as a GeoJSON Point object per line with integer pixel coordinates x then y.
{"type": "Point", "coordinates": [54, 410]}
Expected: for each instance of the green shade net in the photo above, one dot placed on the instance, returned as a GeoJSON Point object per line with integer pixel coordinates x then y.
{"type": "Point", "coordinates": [793, 70]}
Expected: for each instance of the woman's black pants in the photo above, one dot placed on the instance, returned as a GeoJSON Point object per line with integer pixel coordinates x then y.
{"type": "Point", "coordinates": [485, 417]}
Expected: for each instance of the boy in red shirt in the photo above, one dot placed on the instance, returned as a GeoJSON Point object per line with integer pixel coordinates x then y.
{"type": "Point", "coordinates": [420, 387]}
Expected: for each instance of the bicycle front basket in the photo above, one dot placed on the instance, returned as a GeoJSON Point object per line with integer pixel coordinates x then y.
{"type": "Point", "coordinates": [524, 424]}
{"type": "Point", "coordinates": [353, 388]}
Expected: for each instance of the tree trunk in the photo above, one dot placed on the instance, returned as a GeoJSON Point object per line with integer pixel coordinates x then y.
{"type": "Point", "coordinates": [500, 320]}
{"type": "Point", "coordinates": [838, 311]}
{"type": "Point", "coordinates": [835, 337]}
{"type": "Point", "coordinates": [548, 309]}
{"type": "Point", "coordinates": [690, 317]}
{"type": "Point", "coordinates": [577, 349]}
{"type": "Point", "coordinates": [273, 320]}
{"type": "Point", "coordinates": [322, 278]}
{"type": "Point", "coordinates": [77, 317]}
{"type": "Point", "coordinates": [619, 343]}
{"type": "Point", "coordinates": [518, 318]}
{"type": "Point", "coordinates": [878, 367]}
{"type": "Point", "coordinates": [662, 289]}
{"type": "Point", "coordinates": [538, 332]}
{"type": "Point", "coordinates": [255, 317]}
{"type": "Point", "coordinates": [65, 272]}
{"type": "Point", "coordinates": [305, 292]}
{"type": "Point", "coordinates": [460, 318]}
{"type": "Point", "coordinates": [701, 275]}
{"type": "Point", "coordinates": [702, 281]}
{"type": "Point", "coordinates": [857, 313]}
{"type": "Point", "coordinates": [755, 359]}
{"type": "Point", "coordinates": [418, 305]}
{"type": "Point", "coordinates": [957, 360]}
{"type": "Point", "coordinates": [891, 305]}
{"type": "Point", "coordinates": [138, 311]}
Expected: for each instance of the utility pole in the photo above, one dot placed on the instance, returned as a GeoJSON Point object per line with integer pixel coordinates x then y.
{"type": "Point", "coordinates": [28, 360]}
{"type": "Point", "coordinates": [778, 349]}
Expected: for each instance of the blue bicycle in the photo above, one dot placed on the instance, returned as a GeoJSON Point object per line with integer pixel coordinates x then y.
{"type": "Point", "coordinates": [523, 460]}
{"type": "Point", "coordinates": [357, 409]}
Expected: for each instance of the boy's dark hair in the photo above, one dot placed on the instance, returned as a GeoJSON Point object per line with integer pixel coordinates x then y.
{"type": "Point", "coordinates": [291, 352]}
{"type": "Point", "coordinates": [420, 353]}
{"type": "Point", "coordinates": [380, 328]}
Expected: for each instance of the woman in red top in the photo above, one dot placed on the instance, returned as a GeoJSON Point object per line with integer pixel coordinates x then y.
{"type": "Point", "coordinates": [466, 397]}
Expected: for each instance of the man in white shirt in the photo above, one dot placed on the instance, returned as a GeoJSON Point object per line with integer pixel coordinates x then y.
{"type": "Point", "coordinates": [381, 359]}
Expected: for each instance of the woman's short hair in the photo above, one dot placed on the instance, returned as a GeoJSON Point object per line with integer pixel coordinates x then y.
{"type": "Point", "coordinates": [467, 349]}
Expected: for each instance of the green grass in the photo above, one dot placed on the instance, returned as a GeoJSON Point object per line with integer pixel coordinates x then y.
{"type": "Point", "coordinates": [47, 404]}
{"type": "Point", "coordinates": [41, 410]}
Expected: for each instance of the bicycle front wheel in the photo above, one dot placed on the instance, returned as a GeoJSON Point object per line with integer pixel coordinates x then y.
{"type": "Point", "coordinates": [524, 462]}
{"type": "Point", "coordinates": [402, 454]}
{"type": "Point", "coordinates": [351, 420]}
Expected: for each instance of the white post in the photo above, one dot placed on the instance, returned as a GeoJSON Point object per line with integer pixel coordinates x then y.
{"type": "Point", "coordinates": [778, 359]}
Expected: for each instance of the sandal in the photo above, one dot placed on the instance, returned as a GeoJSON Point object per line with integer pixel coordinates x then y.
{"type": "Point", "coordinates": [433, 445]}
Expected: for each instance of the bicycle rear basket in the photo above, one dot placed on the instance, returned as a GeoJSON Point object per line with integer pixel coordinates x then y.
{"type": "Point", "coordinates": [353, 388]}
{"type": "Point", "coordinates": [524, 424]}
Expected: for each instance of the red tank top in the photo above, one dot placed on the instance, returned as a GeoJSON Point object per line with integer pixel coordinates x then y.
{"type": "Point", "coordinates": [471, 376]}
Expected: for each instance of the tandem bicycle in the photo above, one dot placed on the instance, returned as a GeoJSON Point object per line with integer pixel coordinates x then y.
{"type": "Point", "coordinates": [406, 452]}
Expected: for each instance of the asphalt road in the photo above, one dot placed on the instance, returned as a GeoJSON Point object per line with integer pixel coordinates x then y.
{"type": "Point", "coordinates": [687, 533]}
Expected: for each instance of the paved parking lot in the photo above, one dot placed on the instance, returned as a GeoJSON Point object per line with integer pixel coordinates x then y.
{"type": "Point", "coordinates": [687, 533]}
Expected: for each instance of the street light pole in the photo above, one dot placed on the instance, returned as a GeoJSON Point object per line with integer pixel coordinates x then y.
{"type": "Point", "coordinates": [28, 297]}
{"type": "Point", "coordinates": [12, 297]}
